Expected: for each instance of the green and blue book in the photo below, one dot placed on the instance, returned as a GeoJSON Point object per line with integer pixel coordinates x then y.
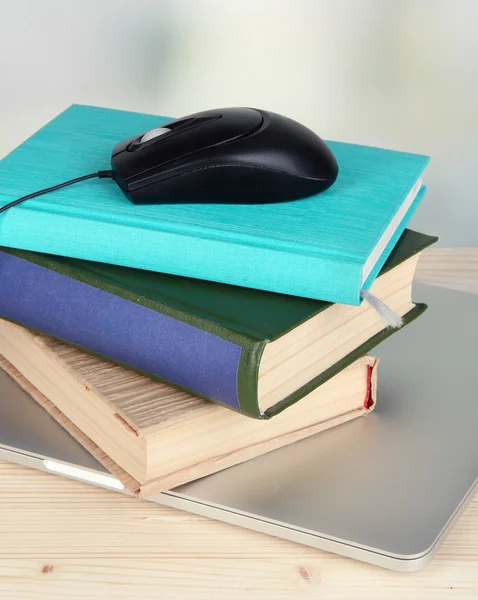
{"type": "Point", "coordinates": [328, 247]}
{"type": "Point", "coordinates": [254, 351]}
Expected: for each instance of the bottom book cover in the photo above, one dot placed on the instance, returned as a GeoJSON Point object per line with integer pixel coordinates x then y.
{"type": "Point", "coordinates": [153, 437]}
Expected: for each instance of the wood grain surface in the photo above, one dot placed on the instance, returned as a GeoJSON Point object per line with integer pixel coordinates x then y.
{"type": "Point", "coordinates": [69, 540]}
{"type": "Point", "coordinates": [453, 268]}
{"type": "Point", "coordinates": [62, 540]}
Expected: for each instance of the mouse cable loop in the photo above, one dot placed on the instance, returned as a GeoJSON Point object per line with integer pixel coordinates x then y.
{"type": "Point", "coordinates": [100, 174]}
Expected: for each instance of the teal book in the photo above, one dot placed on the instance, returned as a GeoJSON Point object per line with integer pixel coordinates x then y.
{"type": "Point", "coordinates": [326, 247]}
{"type": "Point", "coordinates": [251, 350]}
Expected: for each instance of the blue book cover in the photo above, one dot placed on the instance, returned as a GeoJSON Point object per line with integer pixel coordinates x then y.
{"type": "Point", "coordinates": [327, 247]}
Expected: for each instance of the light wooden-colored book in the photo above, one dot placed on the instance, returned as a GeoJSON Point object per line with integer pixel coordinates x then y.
{"type": "Point", "coordinates": [158, 436]}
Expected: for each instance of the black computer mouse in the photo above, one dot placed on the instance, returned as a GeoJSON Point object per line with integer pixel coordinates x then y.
{"type": "Point", "coordinates": [229, 155]}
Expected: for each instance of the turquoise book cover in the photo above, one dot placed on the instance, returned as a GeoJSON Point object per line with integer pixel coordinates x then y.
{"type": "Point", "coordinates": [319, 247]}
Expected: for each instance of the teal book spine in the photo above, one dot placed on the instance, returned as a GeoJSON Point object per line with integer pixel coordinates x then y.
{"type": "Point", "coordinates": [314, 248]}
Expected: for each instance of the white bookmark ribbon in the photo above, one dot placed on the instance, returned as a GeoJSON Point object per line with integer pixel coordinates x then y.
{"type": "Point", "coordinates": [388, 316]}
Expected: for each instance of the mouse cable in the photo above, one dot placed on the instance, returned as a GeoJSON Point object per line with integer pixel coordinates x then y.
{"type": "Point", "coordinates": [100, 174]}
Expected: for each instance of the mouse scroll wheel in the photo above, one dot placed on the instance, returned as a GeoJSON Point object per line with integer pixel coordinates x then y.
{"type": "Point", "coordinates": [154, 133]}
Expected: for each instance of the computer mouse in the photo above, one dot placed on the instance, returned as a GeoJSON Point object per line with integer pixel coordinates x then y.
{"type": "Point", "coordinates": [229, 155]}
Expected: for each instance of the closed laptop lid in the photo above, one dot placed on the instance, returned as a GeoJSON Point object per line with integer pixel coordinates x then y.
{"type": "Point", "coordinates": [388, 484]}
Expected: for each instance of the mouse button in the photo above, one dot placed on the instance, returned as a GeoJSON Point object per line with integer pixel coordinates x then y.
{"type": "Point", "coordinates": [241, 121]}
{"type": "Point", "coordinates": [167, 130]}
{"type": "Point", "coordinates": [122, 146]}
{"type": "Point", "coordinates": [175, 127]}
{"type": "Point", "coordinates": [182, 124]}
{"type": "Point", "coordinates": [179, 123]}
{"type": "Point", "coordinates": [166, 149]}
{"type": "Point", "coordinates": [124, 165]}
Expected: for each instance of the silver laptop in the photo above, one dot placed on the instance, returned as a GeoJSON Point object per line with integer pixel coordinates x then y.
{"type": "Point", "coordinates": [385, 489]}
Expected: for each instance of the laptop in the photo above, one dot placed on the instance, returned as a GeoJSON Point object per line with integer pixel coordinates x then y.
{"type": "Point", "coordinates": [385, 489]}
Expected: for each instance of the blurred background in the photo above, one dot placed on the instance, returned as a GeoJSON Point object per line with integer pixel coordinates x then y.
{"type": "Point", "coordinates": [399, 74]}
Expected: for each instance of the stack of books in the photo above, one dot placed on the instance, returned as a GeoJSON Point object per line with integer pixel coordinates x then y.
{"type": "Point", "coordinates": [178, 340]}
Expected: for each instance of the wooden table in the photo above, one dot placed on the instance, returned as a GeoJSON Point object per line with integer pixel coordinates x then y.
{"type": "Point", "coordinates": [69, 540]}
